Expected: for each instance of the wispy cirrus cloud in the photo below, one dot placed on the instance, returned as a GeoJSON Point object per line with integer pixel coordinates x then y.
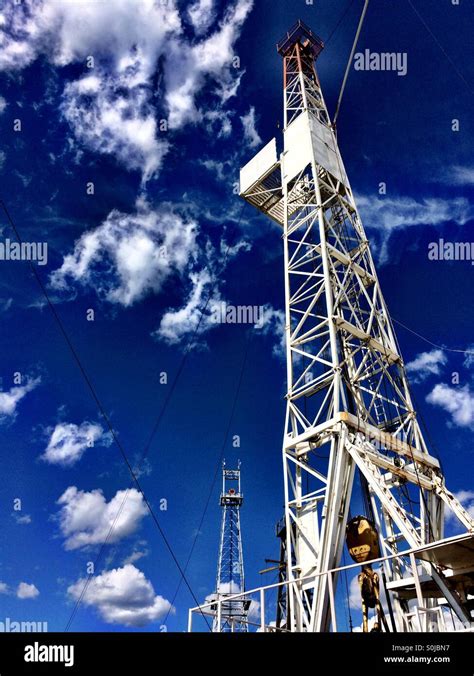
{"type": "Point", "coordinates": [457, 175]}
{"type": "Point", "coordinates": [249, 123]}
{"type": "Point", "coordinates": [385, 215]}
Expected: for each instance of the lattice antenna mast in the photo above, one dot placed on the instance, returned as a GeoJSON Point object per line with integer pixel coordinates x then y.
{"type": "Point", "coordinates": [230, 569]}
{"type": "Point", "coordinates": [348, 400]}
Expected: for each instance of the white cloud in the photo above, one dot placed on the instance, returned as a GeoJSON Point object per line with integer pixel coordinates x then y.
{"type": "Point", "coordinates": [391, 213]}
{"type": "Point", "coordinates": [204, 303]}
{"type": "Point", "coordinates": [68, 442]}
{"type": "Point", "coordinates": [251, 135]}
{"type": "Point", "coordinates": [190, 66]}
{"type": "Point", "coordinates": [387, 214]}
{"type": "Point", "coordinates": [218, 122]}
{"type": "Point", "coordinates": [26, 591]}
{"type": "Point", "coordinates": [9, 400]}
{"type": "Point", "coordinates": [177, 325]}
{"type": "Point", "coordinates": [112, 111]}
{"type": "Point", "coordinates": [273, 324]}
{"type": "Point", "coordinates": [136, 555]}
{"type": "Point", "coordinates": [23, 520]}
{"type": "Point", "coordinates": [425, 364]}
{"type": "Point", "coordinates": [5, 303]}
{"type": "Point", "coordinates": [130, 255]}
{"type": "Point", "coordinates": [4, 588]}
{"type": "Point", "coordinates": [458, 175]}
{"type": "Point", "coordinates": [469, 357]}
{"type": "Point", "coordinates": [355, 601]}
{"type": "Point", "coordinates": [466, 498]}
{"type": "Point", "coordinates": [109, 115]}
{"type": "Point", "coordinates": [458, 401]}
{"type": "Point", "coordinates": [122, 596]}
{"type": "Point", "coordinates": [86, 518]}
{"type": "Point", "coordinates": [68, 31]}
{"type": "Point", "coordinates": [201, 14]}
{"type": "Point", "coordinates": [228, 251]}
{"type": "Point", "coordinates": [3, 104]}
{"type": "Point", "coordinates": [216, 167]}
{"type": "Point", "coordinates": [232, 587]}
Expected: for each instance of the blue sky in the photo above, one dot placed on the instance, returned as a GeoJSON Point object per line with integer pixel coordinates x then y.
{"type": "Point", "coordinates": [178, 97]}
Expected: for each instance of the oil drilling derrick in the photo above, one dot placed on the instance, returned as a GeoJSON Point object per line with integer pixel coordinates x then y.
{"type": "Point", "coordinates": [351, 430]}
{"type": "Point", "coordinates": [232, 613]}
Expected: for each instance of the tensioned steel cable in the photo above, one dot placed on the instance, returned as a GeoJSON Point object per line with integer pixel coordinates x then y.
{"type": "Point", "coordinates": [351, 56]}
{"type": "Point", "coordinates": [216, 471]}
{"type": "Point", "coordinates": [430, 342]}
{"type": "Point", "coordinates": [442, 49]}
{"type": "Point", "coordinates": [158, 420]}
{"type": "Point", "coordinates": [340, 20]}
{"type": "Point", "coordinates": [98, 403]}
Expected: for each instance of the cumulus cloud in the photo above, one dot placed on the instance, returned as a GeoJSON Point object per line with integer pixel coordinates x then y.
{"type": "Point", "coordinates": [68, 442]}
{"type": "Point", "coordinates": [129, 256]}
{"type": "Point", "coordinates": [4, 588]}
{"type": "Point", "coordinates": [122, 596]}
{"type": "Point", "coordinates": [387, 214]}
{"type": "Point", "coordinates": [85, 518]}
{"type": "Point", "coordinates": [109, 115]}
{"type": "Point", "coordinates": [426, 364]}
{"type": "Point", "coordinates": [112, 110]}
{"type": "Point", "coordinates": [68, 31]}
{"type": "Point", "coordinates": [232, 587]}
{"type": "Point", "coordinates": [457, 401]}
{"type": "Point", "coordinates": [251, 134]}
{"type": "Point", "coordinates": [26, 591]}
{"type": "Point", "coordinates": [10, 400]}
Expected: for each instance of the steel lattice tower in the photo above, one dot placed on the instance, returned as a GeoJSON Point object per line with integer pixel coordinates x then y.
{"type": "Point", "coordinates": [230, 569]}
{"type": "Point", "coordinates": [348, 400]}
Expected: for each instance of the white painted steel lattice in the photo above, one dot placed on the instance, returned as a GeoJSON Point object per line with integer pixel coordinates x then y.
{"type": "Point", "coordinates": [348, 400]}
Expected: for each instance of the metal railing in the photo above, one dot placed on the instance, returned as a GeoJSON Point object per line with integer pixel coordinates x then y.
{"type": "Point", "coordinates": [419, 618]}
